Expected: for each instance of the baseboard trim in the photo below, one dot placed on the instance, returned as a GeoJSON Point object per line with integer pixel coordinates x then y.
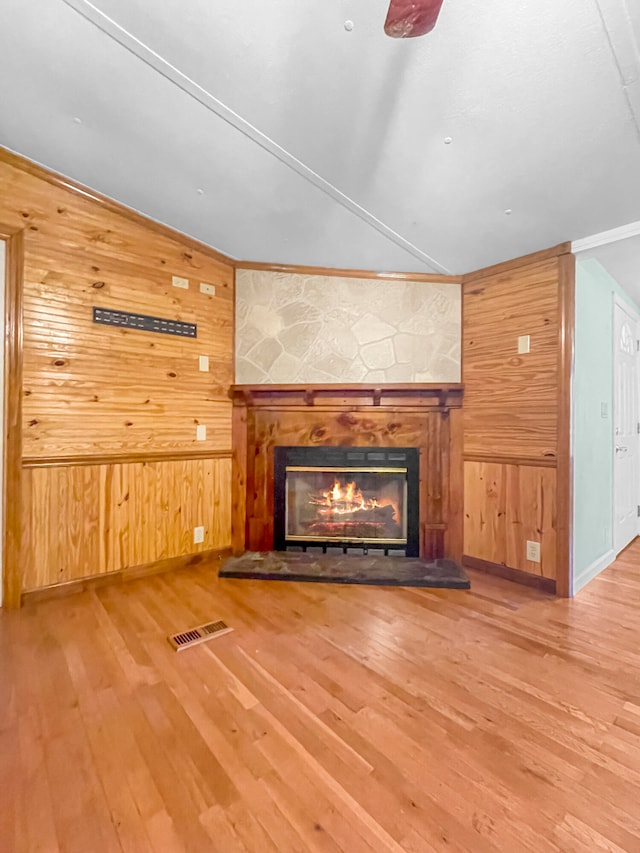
{"type": "Point", "coordinates": [593, 571]}
{"type": "Point", "coordinates": [131, 573]}
{"type": "Point", "coordinates": [515, 575]}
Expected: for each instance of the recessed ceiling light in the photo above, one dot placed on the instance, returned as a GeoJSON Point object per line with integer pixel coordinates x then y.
{"type": "Point", "coordinates": [348, 25]}
{"type": "Point", "coordinates": [200, 192]}
{"type": "Point", "coordinates": [448, 140]}
{"type": "Point", "coordinates": [508, 212]}
{"type": "Point", "coordinates": [77, 120]}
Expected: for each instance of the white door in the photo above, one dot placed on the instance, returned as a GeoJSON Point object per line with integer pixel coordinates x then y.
{"type": "Point", "coordinates": [625, 427]}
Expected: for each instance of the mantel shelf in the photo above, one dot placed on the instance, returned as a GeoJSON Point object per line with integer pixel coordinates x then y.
{"type": "Point", "coordinates": [442, 395]}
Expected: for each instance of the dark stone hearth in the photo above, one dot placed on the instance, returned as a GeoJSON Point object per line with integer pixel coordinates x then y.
{"type": "Point", "coordinates": [346, 568]}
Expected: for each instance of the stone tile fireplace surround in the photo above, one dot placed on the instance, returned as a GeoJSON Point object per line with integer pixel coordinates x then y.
{"type": "Point", "coordinates": [301, 328]}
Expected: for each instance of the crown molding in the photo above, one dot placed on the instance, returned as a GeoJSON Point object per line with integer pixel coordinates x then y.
{"type": "Point", "coordinates": [606, 237]}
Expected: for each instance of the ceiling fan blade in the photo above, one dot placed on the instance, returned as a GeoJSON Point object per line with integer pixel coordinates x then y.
{"type": "Point", "coordinates": [410, 18]}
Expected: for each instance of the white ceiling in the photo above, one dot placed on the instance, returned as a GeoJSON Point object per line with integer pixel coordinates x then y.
{"type": "Point", "coordinates": [312, 144]}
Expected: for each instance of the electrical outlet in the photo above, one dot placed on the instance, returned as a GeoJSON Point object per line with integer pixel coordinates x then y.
{"type": "Point", "coordinates": [524, 344]}
{"type": "Point", "coordinates": [533, 551]}
{"type": "Point", "coordinates": [198, 535]}
{"type": "Point", "coordinates": [209, 289]}
{"type": "Point", "coordinates": [201, 432]}
{"type": "Point", "coordinates": [176, 281]}
{"type": "Point", "coordinates": [204, 363]}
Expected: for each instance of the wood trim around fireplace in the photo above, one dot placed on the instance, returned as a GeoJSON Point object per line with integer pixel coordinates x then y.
{"type": "Point", "coordinates": [425, 416]}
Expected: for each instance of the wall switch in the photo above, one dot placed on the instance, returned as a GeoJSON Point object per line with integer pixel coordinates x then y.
{"type": "Point", "coordinates": [176, 281]}
{"type": "Point", "coordinates": [533, 551]}
{"type": "Point", "coordinates": [209, 289]}
{"type": "Point", "coordinates": [198, 535]}
{"type": "Point", "coordinates": [201, 432]}
{"type": "Point", "coordinates": [204, 363]}
{"type": "Point", "coordinates": [524, 343]}
{"type": "Point", "coordinates": [604, 410]}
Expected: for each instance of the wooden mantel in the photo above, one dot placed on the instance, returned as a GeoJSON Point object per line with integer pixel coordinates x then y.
{"type": "Point", "coordinates": [427, 416]}
{"type": "Point", "coordinates": [430, 394]}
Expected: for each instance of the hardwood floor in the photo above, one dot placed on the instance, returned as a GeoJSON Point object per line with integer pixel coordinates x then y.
{"type": "Point", "coordinates": [332, 718]}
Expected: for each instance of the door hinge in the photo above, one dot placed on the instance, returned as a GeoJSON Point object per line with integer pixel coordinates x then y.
{"type": "Point", "coordinates": [638, 511]}
{"type": "Point", "coordinates": [638, 427]}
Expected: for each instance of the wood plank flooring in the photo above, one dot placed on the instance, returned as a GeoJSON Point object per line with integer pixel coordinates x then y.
{"type": "Point", "coordinates": [333, 718]}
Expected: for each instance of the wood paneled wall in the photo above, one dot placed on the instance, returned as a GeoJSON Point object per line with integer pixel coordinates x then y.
{"type": "Point", "coordinates": [506, 505]}
{"type": "Point", "coordinates": [94, 393]}
{"type": "Point", "coordinates": [83, 520]}
{"type": "Point", "coordinates": [515, 414]}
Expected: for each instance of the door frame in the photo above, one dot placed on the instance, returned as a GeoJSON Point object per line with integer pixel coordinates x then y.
{"type": "Point", "coordinates": [619, 302]}
{"type": "Point", "coordinates": [12, 427]}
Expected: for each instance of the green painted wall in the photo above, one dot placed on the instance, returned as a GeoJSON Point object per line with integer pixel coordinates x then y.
{"type": "Point", "coordinates": [593, 433]}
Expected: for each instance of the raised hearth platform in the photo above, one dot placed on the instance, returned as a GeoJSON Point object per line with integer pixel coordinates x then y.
{"type": "Point", "coordinates": [346, 569]}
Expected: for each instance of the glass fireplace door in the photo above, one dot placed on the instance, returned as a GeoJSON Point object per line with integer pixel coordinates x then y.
{"type": "Point", "coordinates": [343, 505]}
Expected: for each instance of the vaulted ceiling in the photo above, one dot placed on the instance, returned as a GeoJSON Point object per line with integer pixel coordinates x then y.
{"type": "Point", "coordinates": [276, 131]}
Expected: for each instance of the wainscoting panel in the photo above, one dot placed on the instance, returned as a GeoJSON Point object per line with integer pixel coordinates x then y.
{"type": "Point", "coordinates": [506, 505]}
{"type": "Point", "coordinates": [87, 520]}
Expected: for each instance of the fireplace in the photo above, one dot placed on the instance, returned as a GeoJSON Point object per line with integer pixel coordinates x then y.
{"type": "Point", "coordinates": [348, 497]}
{"type": "Point", "coordinates": [423, 422]}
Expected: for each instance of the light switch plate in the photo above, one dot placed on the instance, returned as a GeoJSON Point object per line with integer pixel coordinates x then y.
{"type": "Point", "coordinates": [533, 551]}
{"type": "Point", "coordinates": [604, 410]}
{"type": "Point", "coordinates": [524, 344]}
{"type": "Point", "coordinates": [198, 535]}
{"type": "Point", "coordinates": [176, 281]}
{"type": "Point", "coordinates": [209, 289]}
{"type": "Point", "coordinates": [203, 362]}
{"type": "Point", "coordinates": [201, 432]}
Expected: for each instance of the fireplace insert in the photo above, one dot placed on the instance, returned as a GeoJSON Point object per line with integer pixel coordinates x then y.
{"type": "Point", "coordinates": [349, 497]}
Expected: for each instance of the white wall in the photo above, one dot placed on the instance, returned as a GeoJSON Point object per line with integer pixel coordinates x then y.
{"type": "Point", "coordinates": [593, 433]}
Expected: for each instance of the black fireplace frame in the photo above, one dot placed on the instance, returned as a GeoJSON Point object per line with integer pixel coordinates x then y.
{"type": "Point", "coordinates": [329, 456]}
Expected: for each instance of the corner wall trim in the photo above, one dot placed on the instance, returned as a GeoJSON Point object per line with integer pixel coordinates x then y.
{"type": "Point", "coordinates": [592, 571]}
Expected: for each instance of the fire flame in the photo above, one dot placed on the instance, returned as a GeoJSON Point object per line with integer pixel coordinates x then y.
{"type": "Point", "coordinates": [340, 500]}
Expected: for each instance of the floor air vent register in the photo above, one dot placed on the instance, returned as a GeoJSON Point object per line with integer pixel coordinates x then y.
{"type": "Point", "coordinates": [198, 635]}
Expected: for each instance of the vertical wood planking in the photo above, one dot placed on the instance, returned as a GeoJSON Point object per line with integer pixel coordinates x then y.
{"type": "Point", "coordinates": [506, 505]}
{"type": "Point", "coordinates": [87, 520]}
{"type": "Point", "coordinates": [239, 482]}
{"type": "Point", "coordinates": [455, 514]}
